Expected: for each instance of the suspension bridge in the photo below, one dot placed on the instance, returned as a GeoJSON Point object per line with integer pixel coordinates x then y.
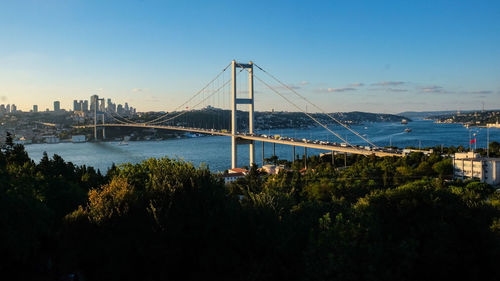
{"type": "Point", "coordinates": [227, 93]}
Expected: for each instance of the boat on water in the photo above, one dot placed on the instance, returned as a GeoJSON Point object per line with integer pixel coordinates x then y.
{"type": "Point", "coordinates": [404, 121]}
{"type": "Point", "coordinates": [407, 130]}
{"type": "Point", "coordinates": [124, 141]}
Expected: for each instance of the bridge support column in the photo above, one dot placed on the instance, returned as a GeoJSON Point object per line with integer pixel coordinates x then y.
{"type": "Point", "coordinates": [251, 113]}
{"type": "Point", "coordinates": [95, 118]}
{"type": "Point", "coordinates": [262, 154]}
{"type": "Point", "coordinates": [293, 154]}
{"type": "Point", "coordinates": [305, 157]}
{"type": "Point", "coordinates": [103, 128]}
{"type": "Point", "coordinates": [234, 147]}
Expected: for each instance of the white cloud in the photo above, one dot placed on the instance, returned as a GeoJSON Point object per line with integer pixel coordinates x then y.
{"type": "Point", "coordinates": [483, 92]}
{"type": "Point", "coordinates": [356, 84]}
{"type": "Point", "coordinates": [432, 89]}
{"type": "Point", "coordinates": [396, 90]}
{"type": "Point", "coordinates": [335, 90]}
{"type": "Point", "coordinates": [388, 83]}
{"type": "Point", "coordinates": [138, 90]}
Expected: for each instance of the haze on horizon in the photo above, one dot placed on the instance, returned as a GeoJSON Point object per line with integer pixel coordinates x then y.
{"type": "Point", "coordinates": [373, 56]}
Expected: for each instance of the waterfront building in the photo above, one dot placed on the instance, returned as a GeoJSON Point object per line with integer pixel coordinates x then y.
{"type": "Point", "coordinates": [493, 125]}
{"type": "Point", "coordinates": [78, 138]}
{"type": "Point", "coordinates": [51, 139]}
{"type": "Point", "coordinates": [467, 165]}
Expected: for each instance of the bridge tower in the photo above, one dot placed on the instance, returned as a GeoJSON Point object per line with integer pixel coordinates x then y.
{"type": "Point", "coordinates": [234, 118]}
{"type": "Point", "coordinates": [98, 111]}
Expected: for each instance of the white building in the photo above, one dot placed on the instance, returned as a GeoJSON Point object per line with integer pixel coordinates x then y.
{"type": "Point", "coordinates": [468, 165]}
{"type": "Point", "coordinates": [51, 139]}
{"type": "Point", "coordinates": [273, 169]}
{"type": "Point", "coordinates": [234, 174]}
{"type": "Point", "coordinates": [78, 138]}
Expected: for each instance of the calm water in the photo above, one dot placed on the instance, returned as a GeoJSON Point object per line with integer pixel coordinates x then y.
{"type": "Point", "coordinates": [215, 151]}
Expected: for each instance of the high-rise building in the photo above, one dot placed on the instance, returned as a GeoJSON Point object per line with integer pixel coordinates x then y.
{"type": "Point", "coordinates": [126, 106]}
{"type": "Point", "coordinates": [77, 106]}
{"type": "Point", "coordinates": [57, 106]}
{"type": "Point", "coordinates": [85, 105]}
{"type": "Point", "coordinates": [35, 108]}
{"type": "Point", "coordinates": [102, 105]}
{"type": "Point", "coordinates": [94, 99]}
{"type": "Point", "coordinates": [119, 109]}
{"type": "Point", "coordinates": [13, 108]}
{"type": "Point", "coordinates": [2, 108]}
{"type": "Point", "coordinates": [7, 108]}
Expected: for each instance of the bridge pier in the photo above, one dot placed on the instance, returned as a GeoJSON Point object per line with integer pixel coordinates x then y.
{"type": "Point", "coordinates": [262, 154]}
{"type": "Point", "coordinates": [103, 128]}
{"type": "Point", "coordinates": [305, 157]}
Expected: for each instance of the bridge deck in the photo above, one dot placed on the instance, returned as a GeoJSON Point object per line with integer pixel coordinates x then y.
{"type": "Point", "coordinates": [308, 144]}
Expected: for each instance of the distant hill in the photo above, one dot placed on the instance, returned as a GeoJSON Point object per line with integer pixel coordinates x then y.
{"type": "Point", "coordinates": [220, 119]}
{"type": "Point", "coordinates": [426, 114]}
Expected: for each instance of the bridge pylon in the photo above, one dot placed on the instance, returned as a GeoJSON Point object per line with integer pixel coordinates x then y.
{"type": "Point", "coordinates": [98, 111]}
{"type": "Point", "coordinates": [234, 110]}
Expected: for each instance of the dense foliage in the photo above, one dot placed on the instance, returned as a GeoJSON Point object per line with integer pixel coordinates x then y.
{"type": "Point", "coordinates": [163, 219]}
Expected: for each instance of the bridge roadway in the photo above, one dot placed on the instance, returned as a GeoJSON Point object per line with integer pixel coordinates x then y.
{"type": "Point", "coordinates": [328, 147]}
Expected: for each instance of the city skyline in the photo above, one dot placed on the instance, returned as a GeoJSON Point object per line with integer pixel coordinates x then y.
{"type": "Point", "coordinates": [430, 55]}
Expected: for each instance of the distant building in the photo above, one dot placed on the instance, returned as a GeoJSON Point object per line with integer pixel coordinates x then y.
{"type": "Point", "coordinates": [493, 125]}
{"type": "Point", "coordinates": [102, 106]}
{"type": "Point", "coordinates": [35, 108]}
{"type": "Point", "coordinates": [13, 108]}
{"type": "Point", "coordinates": [77, 106]}
{"type": "Point", "coordinates": [94, 99]}
{"type": "Point", "coordinates": [7, 108]}
{"type": "Point", "coordinates": [78, 138]}
{"type": "Point", "coordinates": [85, 105]}
{"type": "Point", "coordinates": [467, 165]}
{"type": "Point", "coordinates": [51, 139]}
{"type": "Point", "coordinates": [57, 106]}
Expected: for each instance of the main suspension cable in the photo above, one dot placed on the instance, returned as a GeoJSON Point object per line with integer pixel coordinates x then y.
{"type": "Point", "coordinates": [314, 105]}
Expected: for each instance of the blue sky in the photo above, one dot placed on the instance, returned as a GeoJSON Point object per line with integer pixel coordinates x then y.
{"type": "Point", "coordinates": [377, 56]}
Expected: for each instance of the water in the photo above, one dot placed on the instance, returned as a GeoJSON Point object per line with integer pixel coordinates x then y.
{"type": "Point", "coordinates": [215, 151]}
